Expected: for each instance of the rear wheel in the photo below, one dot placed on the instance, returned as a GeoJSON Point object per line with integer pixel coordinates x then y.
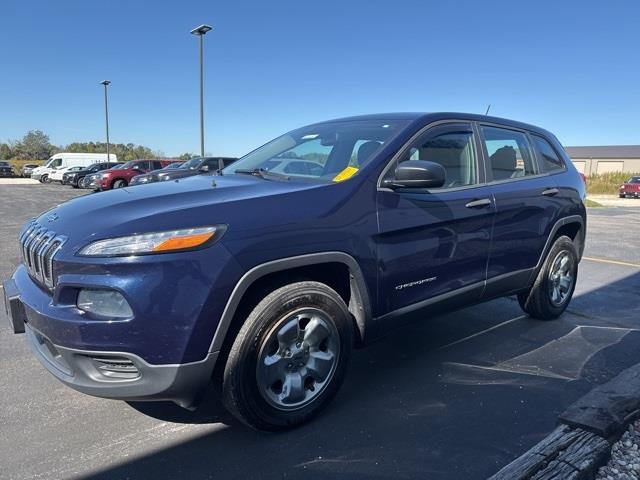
{"type": "Point", "coordinates": [289, 358]}
{"type": "Point", "coordinates": [119, 183]}
{"type": "Point", "coordinates": [553, 289]}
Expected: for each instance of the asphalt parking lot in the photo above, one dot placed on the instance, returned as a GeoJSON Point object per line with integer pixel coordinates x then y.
{"type": "Point", "coordinates": [454, 397]}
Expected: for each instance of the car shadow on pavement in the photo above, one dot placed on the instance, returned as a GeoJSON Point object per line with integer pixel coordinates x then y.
{"type": "Point", "coordinates": [397, 415]}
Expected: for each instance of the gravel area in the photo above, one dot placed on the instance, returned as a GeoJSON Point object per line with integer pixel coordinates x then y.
{"type": "Point", "coordinates": [625, 457]}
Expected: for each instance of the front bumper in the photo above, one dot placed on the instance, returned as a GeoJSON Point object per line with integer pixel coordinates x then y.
{"type": "Point", "coordinates": [36, 176]}
{"type": "Point", "coordinates": [109, 374]}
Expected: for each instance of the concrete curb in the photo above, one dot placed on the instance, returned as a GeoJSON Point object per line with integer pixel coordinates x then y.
{"type": "Point", "coordinates": [582, 443]}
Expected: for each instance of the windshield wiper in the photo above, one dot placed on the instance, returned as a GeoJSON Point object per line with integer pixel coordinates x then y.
{"type": "Point", "coordinates": [262, 173]}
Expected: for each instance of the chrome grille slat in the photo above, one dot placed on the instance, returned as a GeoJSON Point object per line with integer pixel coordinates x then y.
{"type": "Point", "coordinates": [39, 247]}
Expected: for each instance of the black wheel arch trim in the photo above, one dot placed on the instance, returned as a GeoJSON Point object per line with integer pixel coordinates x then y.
{"type": "Point", "coordinates": [359, 303]}
{"type": "Point", "coordinates": [554, 230]}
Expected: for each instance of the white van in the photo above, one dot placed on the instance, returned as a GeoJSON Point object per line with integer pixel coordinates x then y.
{"type": "Point", "coordinates": [64, 160]}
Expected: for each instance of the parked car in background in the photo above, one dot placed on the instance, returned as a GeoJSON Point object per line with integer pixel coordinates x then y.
{"type": "Point", "coordinates": [6, 169]}
{"type": "Point", "coordinates": [630, 188]}
{"type": "Point", "coordinates": [192, 167]}
{"type": "Point", "coordinates": [26, 170]}
{"type": "Point", "coordinates": [149, 177]}
{"type": "Point", "coordinates": [75, 178]}
{"type": "Point", "coordinates": [57, 175]}
{"type": "Point", "coordinates": [121, 177]}
{"type": "Point", "coordinates": [62, 160]}
{"type": "Point", "coordinates": [92, 181]}
{"type": "Point", "coordinates": [280, 275]}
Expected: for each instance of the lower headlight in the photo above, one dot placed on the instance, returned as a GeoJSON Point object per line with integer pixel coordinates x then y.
{"type": "Point", "coordinates": [104, 302]}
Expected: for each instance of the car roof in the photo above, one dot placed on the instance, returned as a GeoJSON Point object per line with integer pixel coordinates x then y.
{"type": "Point", "coordinates": [428, 117]}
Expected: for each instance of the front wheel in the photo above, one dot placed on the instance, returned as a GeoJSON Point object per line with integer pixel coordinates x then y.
{"type": "Point", "coordinates": [119, 184]}
{"type": "Point", "coordinates": [553, 289]}
{"type": "Point", "coordinates": [289, 358]}
{"type": "Point", "coordinates": [44, 179]}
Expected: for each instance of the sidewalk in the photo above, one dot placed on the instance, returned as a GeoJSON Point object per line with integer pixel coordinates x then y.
{"type": "Point", "coordinates": [18, 181]}
{"type": "Point", "coordinates": [615, 201]}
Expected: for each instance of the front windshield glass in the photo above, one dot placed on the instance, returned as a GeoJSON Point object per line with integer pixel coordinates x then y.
{"type": "Point", "coordinates": [173, 166]}
{"type": "Point", "coordinates": [634, 180]}
{"type": "Point", "coordinates": [119, 166]}
{"type": "Point", "coordinates": [191, 164]}
{"type": "Point", "coordinates": [325, 152]}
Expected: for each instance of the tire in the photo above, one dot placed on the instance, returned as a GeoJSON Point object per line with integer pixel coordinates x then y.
{"type": "Point", "coordinates": [78, 183]}
{"type": "Point", "coordinates": [553, 289]}
{"type": "Point", "coordinates": [622, 196]}
{"type": "Point", "coordinates": [279, 332]}
{"type": "Point", "coordinates": [119, 183]}
{"type": "Point", "coordinates": [44, 179]}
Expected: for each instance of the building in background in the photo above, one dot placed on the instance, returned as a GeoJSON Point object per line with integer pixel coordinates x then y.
{"type": "Point", "coordinates": [604, 159]}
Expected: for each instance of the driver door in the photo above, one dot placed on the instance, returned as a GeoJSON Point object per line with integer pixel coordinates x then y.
{"type": "Point", "coordinates": [435, 242]}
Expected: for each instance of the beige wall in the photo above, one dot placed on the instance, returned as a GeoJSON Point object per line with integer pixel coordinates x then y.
{"type": "Point", "coordinates": [589, 166]}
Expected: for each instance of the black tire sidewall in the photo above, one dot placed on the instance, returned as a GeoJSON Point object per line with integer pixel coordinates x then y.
{"type": "Point", "coordinates": [536, 302]}
{"type": "Point", "coordinates": [242, 395]}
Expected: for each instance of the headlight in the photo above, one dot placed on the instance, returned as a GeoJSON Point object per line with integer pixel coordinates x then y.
{"type": "Point", "coordinates": [157, 242]}
{"type": "Point", "coordinates": [103, 302]}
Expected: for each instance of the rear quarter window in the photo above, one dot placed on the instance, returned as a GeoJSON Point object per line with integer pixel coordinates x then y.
{"type": "Point", "coordinates": [550, 161]}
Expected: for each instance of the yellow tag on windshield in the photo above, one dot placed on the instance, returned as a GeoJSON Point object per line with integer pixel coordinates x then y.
{"type": "Point", "coordinates": [345, 174]}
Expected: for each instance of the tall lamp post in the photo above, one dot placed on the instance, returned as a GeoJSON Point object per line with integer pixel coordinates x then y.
{"type": "Point", "coordinates": [200, 32]}
{"type": "Point", "coordinates": [106, 114]}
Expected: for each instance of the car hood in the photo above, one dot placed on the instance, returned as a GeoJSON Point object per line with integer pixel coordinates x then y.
{"type": "Point", "coordinates": [189, 202]}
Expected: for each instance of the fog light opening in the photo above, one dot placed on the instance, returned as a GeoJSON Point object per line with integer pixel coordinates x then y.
{"type": "Point", "coordinates": [104, 303]}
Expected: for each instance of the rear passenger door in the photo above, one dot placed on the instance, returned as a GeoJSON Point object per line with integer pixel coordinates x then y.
{"type": "Point", "coordinates": [526, 207]}
{"type": "Point", "coordinates": [435, 241]}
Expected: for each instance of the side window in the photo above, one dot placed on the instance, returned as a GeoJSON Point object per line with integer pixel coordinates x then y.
{"type": "Point", "coordinates": [509, 153]}
{"type": "Point", "coordinates": [550, 159]}
{"type": "Point", "coordinates": [156, 165]}
{"type": "Point", "coordinates": [453, 149]}
{"type": "Point", "coordinates": [212, 163]}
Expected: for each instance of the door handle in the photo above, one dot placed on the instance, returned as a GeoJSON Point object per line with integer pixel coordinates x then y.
{"type": "Point", "coordinates": [484, 202]}
{"type": "Point", "coordinates": [550, 192]}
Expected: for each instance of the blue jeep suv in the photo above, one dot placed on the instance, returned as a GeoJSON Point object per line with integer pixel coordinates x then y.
{"type": "Point", "coordinates": [263, 281]}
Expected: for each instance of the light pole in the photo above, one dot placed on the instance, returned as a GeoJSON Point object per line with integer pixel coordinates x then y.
{"type": "Point", "coordinates": [106, 114]}
{"type": "Point", "coordinates": [200, 32]}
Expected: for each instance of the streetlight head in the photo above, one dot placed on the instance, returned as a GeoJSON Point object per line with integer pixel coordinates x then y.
{"type": "Point", "coordinates": [201, 30]}
{"type": "Point", "coordinates": [105, 82]}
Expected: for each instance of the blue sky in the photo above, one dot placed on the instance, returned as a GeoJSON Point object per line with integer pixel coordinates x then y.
{"type": "Point", "coordinates": [572, 67]}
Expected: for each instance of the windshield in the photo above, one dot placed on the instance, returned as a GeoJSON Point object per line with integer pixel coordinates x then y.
{"type": "Point", "coordinates": [173, 165]}
{"type": "Point", "coordinates": [634, 180]}
{"type": "Point", "coordinates": [191, 164]}
{"type": "Point", "coordinates": [325, 152]}
{"type": "Point", "coordinates": [120, 166]}
{"type": "Point", "coordinates": [4, 164]}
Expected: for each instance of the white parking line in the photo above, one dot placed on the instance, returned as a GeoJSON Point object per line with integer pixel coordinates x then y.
{"type": "Point", "coordinates": [520, 317]}
{"type": "Point", "coordinates": [612, 262]}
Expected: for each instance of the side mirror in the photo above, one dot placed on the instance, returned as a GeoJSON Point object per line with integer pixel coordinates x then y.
{"type": "Point", "coordinates": [204, 168]}
{"type": "Point", "coordinates": [417, 174]}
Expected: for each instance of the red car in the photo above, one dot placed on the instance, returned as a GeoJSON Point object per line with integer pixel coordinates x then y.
{"type": "Point", "coordinates": [121, 177]}
{"type": "Point", "coordinates": [630, 188]}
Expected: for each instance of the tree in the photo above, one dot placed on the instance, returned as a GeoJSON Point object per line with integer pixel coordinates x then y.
{"type": "Point", "coordinates": [35, 145]}
{"type": "Point", "coordinates": [6, 152]}
{"type": "Point", "coordinates": [187, 156]}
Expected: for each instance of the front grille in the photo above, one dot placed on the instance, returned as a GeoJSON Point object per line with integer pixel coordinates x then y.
{"type": "Point", "coordinates": [39, 246]}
